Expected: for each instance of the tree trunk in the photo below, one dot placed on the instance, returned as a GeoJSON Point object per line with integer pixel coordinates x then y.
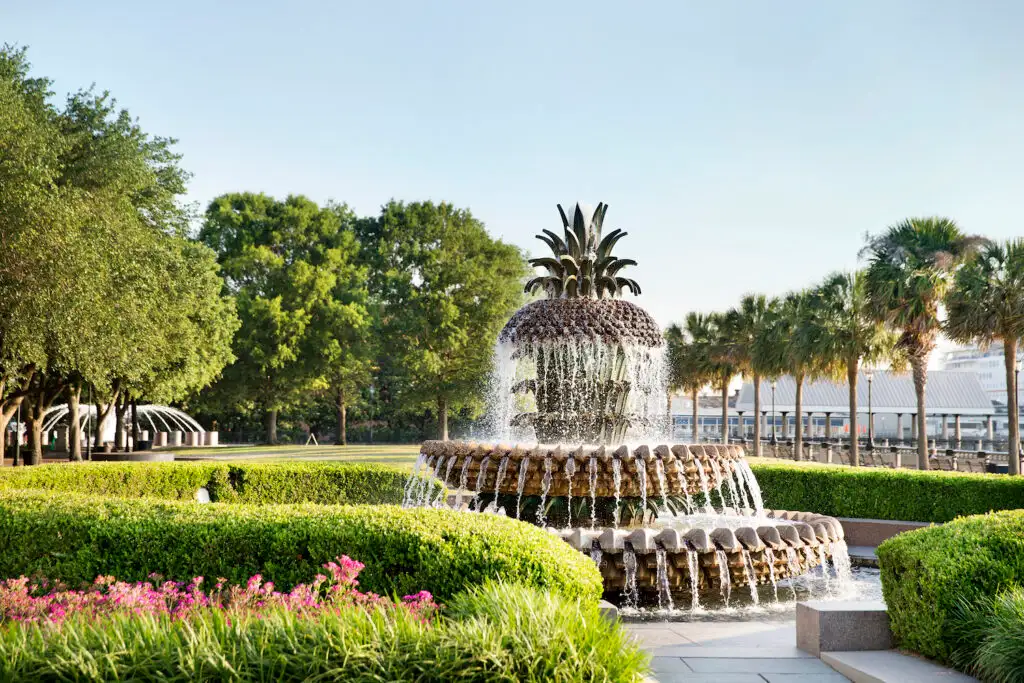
{"type": "Point", "coordinates": [74, 392]}
{"type": "Point", "coordinates": [342, 420]}
{"type": "Point", "coordinates": [920, 371]}
{"type": "Point", "coordinates": [798, 443]}
{"type": "Point", "coordinates": [34, 426]}
{"type": "Point", "coordinates": [135, 424]}
{"type": "Point", "coordinates": [851, 379]}
{"type": "Point", "coordinates": [725, 410]}
{"type": "Point", "coordinates": [757, 415]}
{"type": "Point", "coordinates": [103, 414]}
{"type": "Point", "coordinates": [120, 433]}
{"type": "Point", "coordinates": [442, 419]}
{"type": "Point", "coordinates": [1013, 447]}
{"type": "Point", "coordinates": [695, 416]}
{"type": "Point", "coordinates": [270, 422]}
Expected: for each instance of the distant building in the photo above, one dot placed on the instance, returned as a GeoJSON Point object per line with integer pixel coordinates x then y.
{"type": "Point", "coordinates": [987, 364]}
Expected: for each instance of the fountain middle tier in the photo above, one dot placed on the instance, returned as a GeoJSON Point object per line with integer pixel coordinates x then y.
{"type": "Point", "coordinates": [595, 471]}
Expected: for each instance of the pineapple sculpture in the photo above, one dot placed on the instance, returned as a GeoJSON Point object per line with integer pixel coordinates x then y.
{"type": "Point", "coordinates": [586, 348]}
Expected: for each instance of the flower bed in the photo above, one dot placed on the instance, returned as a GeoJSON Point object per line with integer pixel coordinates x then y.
{"type": "Point", "coordinates": [326, 630]}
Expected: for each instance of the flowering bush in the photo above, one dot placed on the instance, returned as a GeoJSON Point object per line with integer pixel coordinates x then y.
{"type": "Point", "coordinates": [39, 600]}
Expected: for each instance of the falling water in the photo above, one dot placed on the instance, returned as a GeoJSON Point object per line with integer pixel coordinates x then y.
{"type": "Point", "coordinates": [744, 494]}
{"type": "Point", "coordinates": [841, 562]}
{"type": "Point", "coordinates": [684, 486]}
{"type": "Point", "coordinates": [498, 479]}
{"type": "Point", "coordinates": [412, 482]}
{"type": "Point", "coordinates": [545, 486]}
{"type": "Point", "coordinates": [439, 499]}
{"type": "Point", "coordinates": [748, 562]}
{"type": "Point", "coordinates": [523, 469]}
{"type": "Point", "coordinates": [617, 477]}
{"type": "Point", "coordinates": [691, 564]}
{"type": "Point", "coordinates": [664, 591]}
{"type": "Point", "coordinates": [719, 480]}
{"type": "Point", "coordinates": [769, 558]}
{"type": "Point", "coordinates": [448, 470]}
{"type": "Point", "coordinates": [793, 562]}
{"type": "Point", "coordinates": [596, 554]}
{"type": "Point", "coordinates": [593, 492]}
{"type": "Point", "coordinates": [630, 593]}
{"type": "Point", "coordinates": [463, 481]}
{"type": "Point", "coordinates": [425, 482]}
{"type": "Point", "coordinates": [724, 577]}
{"type": "Point", "coordinates": [659, 471]}
{"type": "Point", "coordinates": [480, 479]}
{"type": "Point", "coordinates": [734, 494]}
{"type": "Point", "coordinates": [705, 489]}
{"type": "Point", "coordinates": [753, 487]}
{"type": "Point", "coordinates": [570, 470]}
{"type": "Point", "coordinates": [823, 561]}
{"type": "Point", "coordinates": [641, 472]}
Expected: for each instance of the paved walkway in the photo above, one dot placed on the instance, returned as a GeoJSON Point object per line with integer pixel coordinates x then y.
{"type": "Point", "coordinates": [730, 652]}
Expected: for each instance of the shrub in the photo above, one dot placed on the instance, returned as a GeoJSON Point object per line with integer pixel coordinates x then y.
{"type": "Point", "coordinates": [495, 633]}
{"type": "Point", "coordinates": [992, 638]}
{"type": "Point", "coordinates": [74, 538]}
{"type": "Point", "coordinates": [880, 493]}
{"type": "Point", "coordinates": [926, 573]}
{"type": "Point", "coordinates": [322, 482]}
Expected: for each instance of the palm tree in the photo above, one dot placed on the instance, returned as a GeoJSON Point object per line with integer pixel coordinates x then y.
{"type": "Point", "coordinates": [582, 264]}
{"type": "Point", "coordinates": [910, 267]}
{"type": "Point", "coordinates": [851, 335]}
{"type": "Point", "coordinates": [715, 337]}
{"type": "Point", "coordinates": [791, 343]}
{"type": "Point", "coordinates": [985, 304]}
{"type": "Point", "coordinates": [746, 324]}
{"type": "Point", "coordinates": [687, 366]}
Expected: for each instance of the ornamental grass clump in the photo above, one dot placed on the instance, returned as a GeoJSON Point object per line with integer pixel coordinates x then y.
{"type": "Point", "coordinates": [24, 600]}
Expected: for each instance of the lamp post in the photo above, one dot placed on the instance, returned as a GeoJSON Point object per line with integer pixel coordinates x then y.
{"type": "Point", "coordinates": [871, 420]}
{"type": "Point", "coordinates": [774, 440]}
{"type": "Point", "coordinates": [370, 412]}
{"type": "Point", "coordinates": [17, 439]}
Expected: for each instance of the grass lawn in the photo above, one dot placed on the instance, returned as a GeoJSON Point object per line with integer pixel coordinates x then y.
{"type": "Point", "coordinates": [388, 454]}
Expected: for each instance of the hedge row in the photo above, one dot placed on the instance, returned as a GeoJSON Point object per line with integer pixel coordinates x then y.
{"type": "Point", "coordinates": [75, 538]}
{"type": "Point", "coordinates": [929, 574]}
{"type": "Point", "coordinates": [880, 493]}
{"type": "Point", "coordinates": [318, 482]}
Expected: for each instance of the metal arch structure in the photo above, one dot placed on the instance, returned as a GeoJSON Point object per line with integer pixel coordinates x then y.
{"type": "Point", "coordinates": [172, 419]}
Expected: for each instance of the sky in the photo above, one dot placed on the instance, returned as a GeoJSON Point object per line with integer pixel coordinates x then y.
{"type": "Point", "coordinates": [745, 146]}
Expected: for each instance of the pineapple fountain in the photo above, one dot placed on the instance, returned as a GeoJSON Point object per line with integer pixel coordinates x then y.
{"type": "Point", "coordinates": [578, 397]}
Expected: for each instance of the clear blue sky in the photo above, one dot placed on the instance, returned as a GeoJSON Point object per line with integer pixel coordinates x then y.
{"type": "Point", "coordinates": [744, 145]}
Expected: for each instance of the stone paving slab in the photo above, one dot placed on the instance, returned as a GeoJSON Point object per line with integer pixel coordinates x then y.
{"type": "Point", "coordinates": [889, 666]}
{"type": "Point", "coordinates": [731, 665]}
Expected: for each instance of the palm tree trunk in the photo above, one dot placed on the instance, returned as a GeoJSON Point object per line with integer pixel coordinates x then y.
{"type": "Point", "coordinates": [757, 415]}
{"type": "Point", "coordinates": [695, 416]}
{"type": "Point", "coordinates": [725, 410]}
{"type": "Point", "coordinates": [798, 443]}
{"type": "Point", "coordinates": [1013, 447]}
{"type": "Point", "coordinates": [919, 366]}
{"type": "Point", "coordinates": [851, 380]}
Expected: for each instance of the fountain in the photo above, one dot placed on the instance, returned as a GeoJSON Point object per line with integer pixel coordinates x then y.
{"type": "Point", "coordinates": [578, 411]}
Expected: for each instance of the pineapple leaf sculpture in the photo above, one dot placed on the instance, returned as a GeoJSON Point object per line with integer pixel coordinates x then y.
{"type": "Point", "coordinates": [582, 264]}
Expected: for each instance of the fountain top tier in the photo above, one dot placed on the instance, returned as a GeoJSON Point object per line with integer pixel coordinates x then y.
{"type": "Point", "coordinates": [610, 321]}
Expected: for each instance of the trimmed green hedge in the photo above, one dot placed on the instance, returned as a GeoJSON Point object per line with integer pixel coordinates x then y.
{"type": "Point", "coordinates": [881, 493]}
{"type": "Point", "coordinates": [74, 538]}
{"type": "Point", "coordinates": [318, 482]}
{"type": "Point", "coordinates": [927, 574]}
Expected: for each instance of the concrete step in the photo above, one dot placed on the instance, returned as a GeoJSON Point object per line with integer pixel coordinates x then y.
{"type": "Point", "coordinates": [890, 666]}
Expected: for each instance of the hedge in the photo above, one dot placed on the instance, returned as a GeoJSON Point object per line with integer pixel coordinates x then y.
{"type": "Point", "coordinates": [881, 493]}
{"type": "Point", "coordinates": [75, 537]}
{"type": "Point", "coordinates": [319, 482]}
{"type": "Point", "coordinates": [928, 574]}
